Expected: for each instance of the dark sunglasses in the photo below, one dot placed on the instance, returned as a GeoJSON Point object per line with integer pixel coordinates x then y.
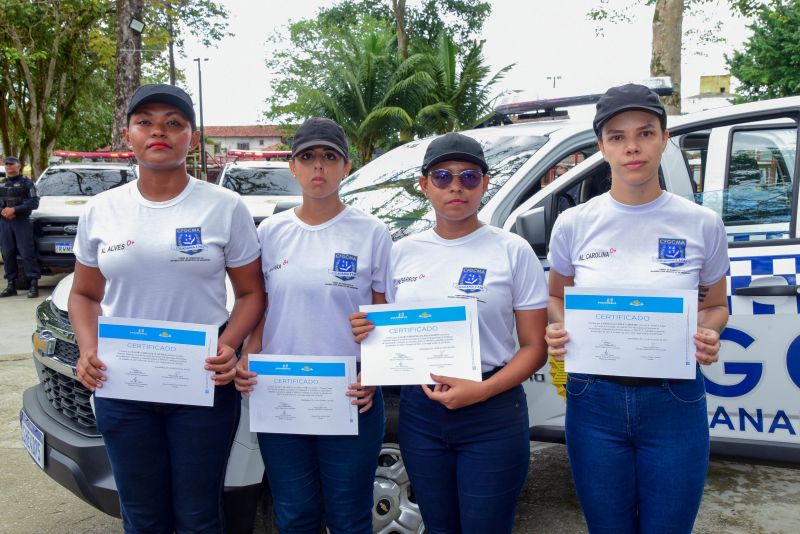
{"type": "Point", "coordinates": [469, 179]}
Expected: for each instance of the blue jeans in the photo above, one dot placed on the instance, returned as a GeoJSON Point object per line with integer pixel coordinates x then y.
{"type": "Point", "coordinates": [467, 466]}
{"type": "Point", "coordinates": [169, 461]}
{"type": "Point", "coordinates": [639, 454]}
{"type": "Point", "coordinates": [337, 473]}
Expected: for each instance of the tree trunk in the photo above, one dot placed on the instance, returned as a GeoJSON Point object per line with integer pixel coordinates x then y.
{"type": "Point", "coordinates": [666, 58]}
{"type": "Point", "coordinates": [399, 7]}
{"type": "Point", "coordinates": [129, 65]}
{"type": "Point", "coordinates": [171, 30]}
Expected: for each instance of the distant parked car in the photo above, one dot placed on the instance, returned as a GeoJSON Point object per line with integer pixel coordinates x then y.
{"type": "Point", "coordinates": [266, 187]}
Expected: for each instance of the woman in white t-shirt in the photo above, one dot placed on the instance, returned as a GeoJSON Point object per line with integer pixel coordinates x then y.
{"type": "Point", "coordinates": [466, 444]}
{"type": "Point", "coordinates": [159, 248]}
{"type": "Point", "coordinates": [638, 447]}
{"type": "Point", "coordinates": [320, 262]}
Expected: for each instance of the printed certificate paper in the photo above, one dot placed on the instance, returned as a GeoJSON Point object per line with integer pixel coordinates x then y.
{"type": "Point", "coordinates": [156, 361]}
{"type": "Point", "coordinates": [414, 339]}
{"type": "Point", "coordinates": [631, 332]}
{"type": "Point", "coordinates": [303, 395]}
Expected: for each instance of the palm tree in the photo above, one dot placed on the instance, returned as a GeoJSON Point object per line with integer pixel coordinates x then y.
{"type": "Point", "coordinates": [370, 92]}
{"type": "Point", "coordinates": [462, 94]}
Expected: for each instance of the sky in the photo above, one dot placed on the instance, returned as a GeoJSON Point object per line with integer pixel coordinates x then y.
{"type": "Point", "coordinates": [541, 37]}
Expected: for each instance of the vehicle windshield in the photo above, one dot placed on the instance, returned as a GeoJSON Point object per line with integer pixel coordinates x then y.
{"type": "Point", "coordinates": [387, 186]}
{"type": "Point", "coordinates": [275, 181]}
{"type": "Point", "coordinates": [81, 182]}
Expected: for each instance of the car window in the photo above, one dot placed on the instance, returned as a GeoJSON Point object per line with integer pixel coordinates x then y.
{"type": "Point", "coordinates": [81, 182]}
{"type": "Point", "coordinates": [387, 186]}
{"type": "Point", "coordinates": [756, 201]}
{"type": "Point", "coordinates": [275, 181]}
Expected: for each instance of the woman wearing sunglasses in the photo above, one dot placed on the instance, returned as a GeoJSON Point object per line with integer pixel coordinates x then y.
{"type": "Point", "coordinates": [320, 261]}
{"type": "Point", "coordinates": [465, 443]}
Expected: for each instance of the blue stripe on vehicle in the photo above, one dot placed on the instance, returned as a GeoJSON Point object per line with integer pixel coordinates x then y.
{"type": "Point", "coordinates": [289, 368]}
{"type": "Point", "coordinates": [147, 333]}
{"type": "Point", "coordinates": [763, 309]}
{"type": "Point", "coordinates": [624, 303]}
{"type": "Point", "coordinates": [418, 315]}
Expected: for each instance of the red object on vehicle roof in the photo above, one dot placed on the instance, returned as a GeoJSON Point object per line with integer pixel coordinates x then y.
{"type": "Point", "coordinates": [104, 155]}
{"type": "Point", "coordinates": [259, 154]}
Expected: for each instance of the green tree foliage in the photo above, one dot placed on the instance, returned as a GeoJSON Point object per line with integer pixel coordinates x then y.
{"type": "Point", "coordinates": [49, 50]}
{"type": "Point", "coordinates": [462, 90]}
{"type": "Point", "coordinates": [768, 66]}
{"type": "Point", "coordinates": [57, 63]}
{"type": "Point", "coordinates": [363, 86]}
{"type": "Point", "coordinates": [345, 64]}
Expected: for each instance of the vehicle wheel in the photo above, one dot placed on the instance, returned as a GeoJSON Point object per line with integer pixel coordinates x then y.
{"type": "Point", "coordinates": [23, 282]}
{"type": "Point", "coordinates": [395, 511]}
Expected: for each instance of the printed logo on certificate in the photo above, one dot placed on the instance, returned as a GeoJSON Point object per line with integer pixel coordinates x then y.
{"type": "Point", "coordinates": [631, 332]}
{"type": "Point", "coordinates": [156, 361]}
{"type": "Point", "coordinates": [414, 339]}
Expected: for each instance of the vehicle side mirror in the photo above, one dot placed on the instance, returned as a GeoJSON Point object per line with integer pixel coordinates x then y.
{"type": "Point", "coordinates": [532, 226]}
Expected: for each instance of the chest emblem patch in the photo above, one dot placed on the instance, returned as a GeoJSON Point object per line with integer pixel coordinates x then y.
{"type": "Point", "coordinates": [189, 240]}
{"type": "Point", "coordinates": [345, 266]}
{"type": "Point", "coordinates": [471, 280]}
{"type": "Point", "coordinates": [671, 252]}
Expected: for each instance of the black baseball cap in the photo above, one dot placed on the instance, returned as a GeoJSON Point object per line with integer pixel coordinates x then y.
{"type": "Point", "coordinates": [11, 160]}
{"type": "Point", "coordinates": [164, 93]}
{"type": "Point", "coordinates": [627, 97]}
{"type": "Point", "coordinates": [319, 131]}
{"type": "Point", "coordinates": [454, 147]}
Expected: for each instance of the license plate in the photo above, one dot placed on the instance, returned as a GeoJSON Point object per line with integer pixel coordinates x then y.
{"type": "Point", "coordinates": [32, 439]}
{"type": "Point", "coordinates": [64, 248]}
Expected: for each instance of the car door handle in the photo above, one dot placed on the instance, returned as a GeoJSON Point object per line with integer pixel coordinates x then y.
{"type": "Point", "coordinates": [768, 291]}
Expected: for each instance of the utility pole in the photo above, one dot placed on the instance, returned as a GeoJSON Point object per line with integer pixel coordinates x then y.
{"type": "Point", "coordinates": [204, 171]}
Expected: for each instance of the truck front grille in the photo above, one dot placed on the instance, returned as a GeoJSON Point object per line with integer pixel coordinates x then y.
{"type": "Point", "coordinates": [69, 397]}
{"type": "Point", "coordinates": [66, 352]}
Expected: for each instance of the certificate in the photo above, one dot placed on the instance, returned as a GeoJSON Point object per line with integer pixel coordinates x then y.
{"type": "Point", "coordinates": [303, 395]}
{"type": "Point", "coordinates": [156, 361]}
{"type": "Point", "coordinates": [414, 339]}
{"type": "Point", "coordinates": [631, 332]}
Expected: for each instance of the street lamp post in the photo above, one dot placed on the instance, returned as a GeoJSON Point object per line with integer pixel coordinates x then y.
{"type": "Point", "coordinates": [554, 78]}
{"type": "Point", "coordinates": [204, 170]}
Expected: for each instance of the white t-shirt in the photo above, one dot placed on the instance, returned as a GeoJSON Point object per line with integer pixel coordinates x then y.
{"type": "Point", "coordinates": [166, 260]}
{"type": "Point", "coordinates": [496, 268]}
{"type": "Point", "coordinates": [669, 243]}
{"type": "Point", "coordinates": [316, 276]}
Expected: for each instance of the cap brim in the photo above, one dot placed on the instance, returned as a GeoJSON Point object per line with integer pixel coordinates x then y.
{"type": "Point", "coordinates": [598, 125]}
{"type": "Point", "coordinates": [166, 98]}
{"type": "Point", "coordinates": [318, 142]}
{"type": "Point", "coordinates": [456, 156]}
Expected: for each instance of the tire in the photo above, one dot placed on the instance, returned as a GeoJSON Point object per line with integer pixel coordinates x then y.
{"type": "Point", "coordinates": [394, 509]}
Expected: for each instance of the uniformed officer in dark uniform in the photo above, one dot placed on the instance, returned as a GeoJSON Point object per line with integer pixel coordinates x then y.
{"type": "Point", "coordinates": [17, 200]}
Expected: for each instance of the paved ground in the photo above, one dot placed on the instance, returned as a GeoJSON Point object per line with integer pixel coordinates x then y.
{"type": "Point", "coordinates": [739, 498]}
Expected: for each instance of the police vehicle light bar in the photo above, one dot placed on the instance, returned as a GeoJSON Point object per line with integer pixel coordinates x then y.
{"type": "Point", "coordinates": [259, 154]}
{"type": "Point", "coordinates": [103, 155]}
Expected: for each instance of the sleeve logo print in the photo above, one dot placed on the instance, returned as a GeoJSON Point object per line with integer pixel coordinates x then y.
{"type": "Point", "coordinates": [345, 266]}
{"type": "Point", "coordinates": [471, 280]}
{"type": "Point", "coordinates": [189, 240]}
{"type": "Point", "coordinates": [671, 252]}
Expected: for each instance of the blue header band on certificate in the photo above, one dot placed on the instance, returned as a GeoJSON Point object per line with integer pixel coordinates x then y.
{"type": "Point", "coordinates": [624, 303]}
{"type": "Point", "coordinates": [147, 333]}
{"type": "Point", "coordinates": [297, 368]}
{"type": "Point", "coordinates": [417, 316]}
